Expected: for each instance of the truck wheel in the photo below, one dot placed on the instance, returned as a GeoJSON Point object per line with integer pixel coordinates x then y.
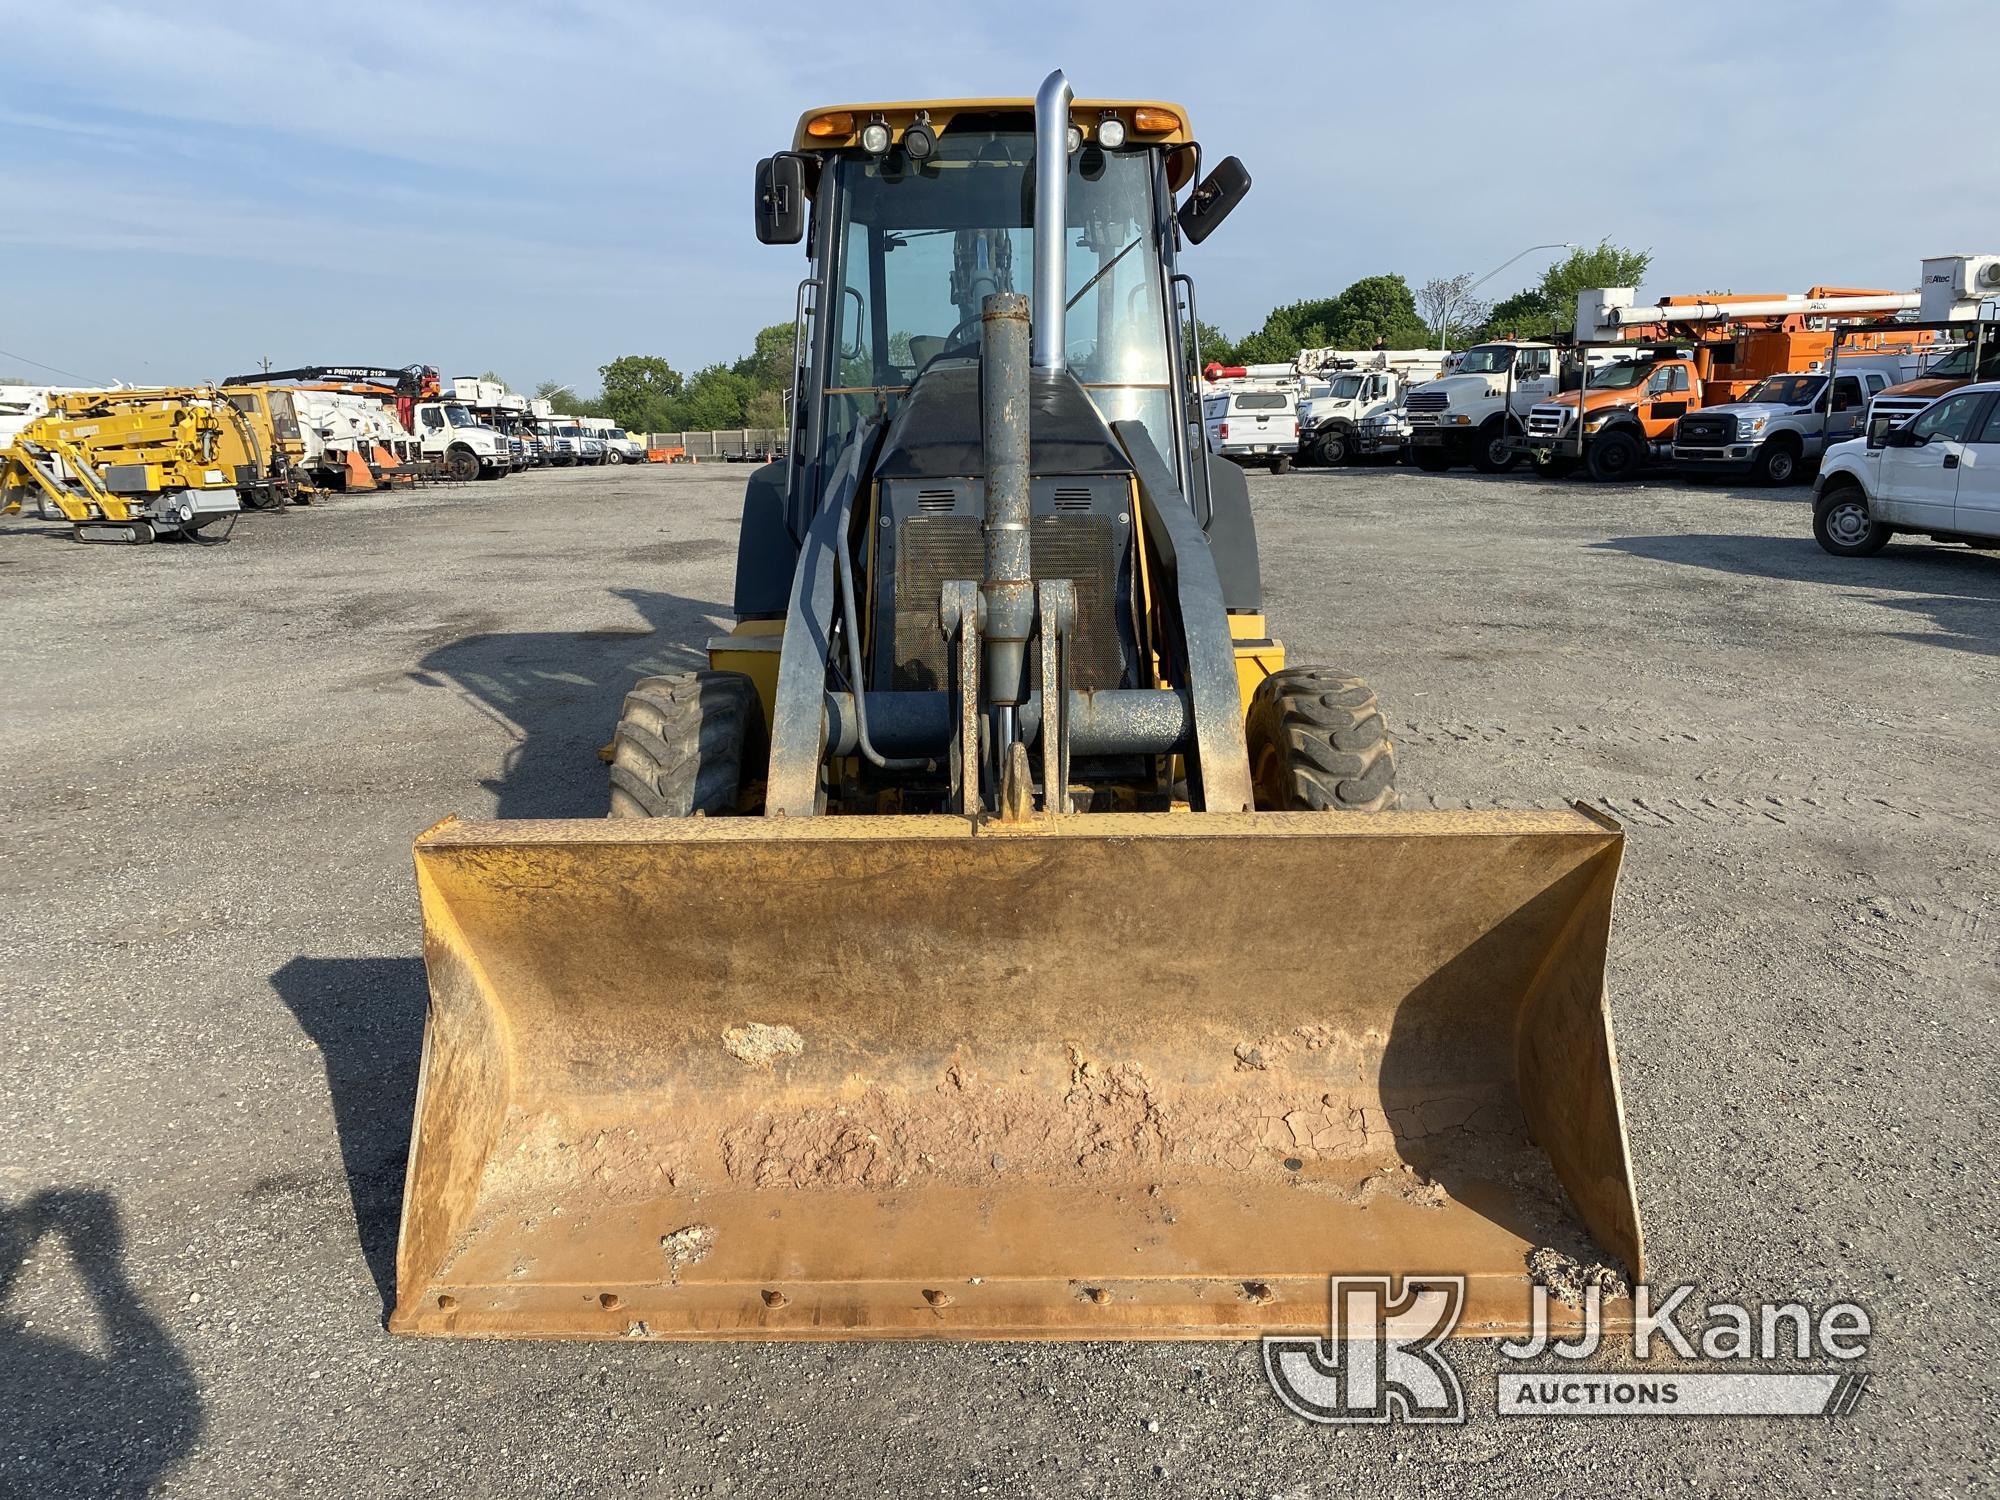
{"type": "Point", "coordinates": [688, 745]}
{"type": "Point", "coordinates": [1430, 460]}
{"type": "Point", "coordinates": [462, 464]}
{"type": "Point", "coordinates": [1489, 453]}
{"type": "Point", "coordinates": [1779, 462]}
{"type": "Point", "coordinates": [1843, 525]}
{"type": "Point", "coordinates": [1318, 744]}
{"type": "Point", "coordinates": [614, 457]}
{"type": "Point", "coordinates": [1333, 451]}
{"type": "Point", "coordinates": [1613, 455]}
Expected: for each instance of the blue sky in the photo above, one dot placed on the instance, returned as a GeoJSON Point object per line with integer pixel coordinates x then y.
{"type": "Point", "coordinates": [537, 188]}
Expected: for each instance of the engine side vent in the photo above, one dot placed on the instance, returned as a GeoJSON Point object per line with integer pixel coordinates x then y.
{"type": "Point", "coordinates": [941, 502]}
{"type": "Point", "coordinates": [1072, 497]}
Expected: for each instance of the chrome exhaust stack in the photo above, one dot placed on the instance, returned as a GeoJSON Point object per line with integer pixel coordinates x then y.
{"type": "Point", "coordinates": [1049, 345]}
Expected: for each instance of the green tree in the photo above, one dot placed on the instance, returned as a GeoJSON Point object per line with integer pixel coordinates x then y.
{"type": "Point", "coordinates": [636, 386]}
{"type": "Point", "coordinates": [769, 363]}
{"type": "Point", "coordinates": [1550, 306]}
{"type": "Point", "coordinates": [1375, 307]}
{"type": "Point", "coordinates": [1216, 348]}
{"type": "Point", "coordinates": [714, 397]}
{"type": "Point", "coordinates": [495, 377]}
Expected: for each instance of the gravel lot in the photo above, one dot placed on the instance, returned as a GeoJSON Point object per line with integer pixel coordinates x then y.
{"type": "Point", "coordinates": [216, 758]}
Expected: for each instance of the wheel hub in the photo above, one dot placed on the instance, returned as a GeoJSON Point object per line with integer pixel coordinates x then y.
{"type": "Point", "coordinates": [1847, 522]}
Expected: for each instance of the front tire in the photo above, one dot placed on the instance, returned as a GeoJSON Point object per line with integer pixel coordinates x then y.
{"type": "Point", "coordinates": [1333, 448]}
{"type": "Point", "coordinates": [462, 464]}
{"type": "Point", "coordinates": [1779, 462]}
{"type": "Point", "coordinates": [1613, 456]}
{"type": "Point", "coordinates": [1490, 455]}
{"type": "Point", "coordinates": [1318, 744]}
{"type": "Point", "coordinates": [690, 745]}
{"type": "Point", "coordinates": [1843, 525]}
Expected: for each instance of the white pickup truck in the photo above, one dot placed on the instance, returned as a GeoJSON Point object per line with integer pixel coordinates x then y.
{"type": "Point", "coordinates": [1253, 422]}
{"type": "Point", "coordinates": [1936, 475]}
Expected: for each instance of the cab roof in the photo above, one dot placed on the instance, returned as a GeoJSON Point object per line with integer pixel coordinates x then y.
{"type": "Point", "coordinates": [1084, 112]}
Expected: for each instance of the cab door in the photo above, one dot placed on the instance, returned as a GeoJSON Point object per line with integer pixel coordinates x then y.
{"type": "Point", "coordinates": [1849, 403]}
{"type": "Point", "coordinates": [1977, 508]}
{"type": "Point", "coordinates": [1534, 378]}
{"type": "Point", "coordinates": [1668, 395]}
{"type": "Point", "coordinates": [1919, 474]}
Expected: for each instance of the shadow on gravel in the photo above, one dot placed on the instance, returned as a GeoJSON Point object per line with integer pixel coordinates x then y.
{"type": "Point", "coordinates": [366, 1016]}
{"type": "Point", "coordinates": [1956, 589]}
{"type": "Point", "coordinates": [107, 1416]}
{"type": "Point", "coordinates": [558, 692]}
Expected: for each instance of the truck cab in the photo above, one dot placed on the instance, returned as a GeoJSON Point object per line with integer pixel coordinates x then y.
{"type": "Point", "coordinates": [1619, 420]}
{"type": "Point", "coordinates": [1955, 370]}
{"type": "Point", "coordinates": [1936, 474]}
{"type": "Point", "coordinates": [449, 433]}
{"type": "Point", "coordinates": [1334, 425]}
{"type": "Point", "coordinates": [1467, 416]}
{"type": "Point", "coordinates": [1778, 429]}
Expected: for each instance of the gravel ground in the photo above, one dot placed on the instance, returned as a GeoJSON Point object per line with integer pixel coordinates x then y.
{"type": "Point", "coordinates": [217, 757]}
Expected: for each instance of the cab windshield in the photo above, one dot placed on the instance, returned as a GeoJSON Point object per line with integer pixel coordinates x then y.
{"type": "Point", "coordinates": [1957, 365]}
{"type": "Point", "coordinates": [458, 416]}
{"type": "Point", "coordinates": [1785, 390]}
{"type": "Point", "coordinates": [920, 248]}
{"type": "Point", "coordinates": [1619, 377]}
{"type": "Point", "coordinates": [1486, 359]}
{"type": "Point", "coordinates": [1345, 388]}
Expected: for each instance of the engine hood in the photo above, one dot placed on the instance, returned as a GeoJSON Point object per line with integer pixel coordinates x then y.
{"type": "Point", "coordinates": [1927, 389]}
{"type": "Point", "coordinates": [1456, 386]}
{"type": "Point", "coordinates": [1771, 409]}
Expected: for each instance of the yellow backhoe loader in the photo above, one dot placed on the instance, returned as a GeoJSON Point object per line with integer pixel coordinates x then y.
{"type": "Point", "coordinates": [999, 939]}
{"type": "Point", "coordinates": [136, 464]}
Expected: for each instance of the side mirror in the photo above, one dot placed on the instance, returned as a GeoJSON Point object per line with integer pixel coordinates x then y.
{"type": "Point", "coordinates": [1212, 202]}
{"type": "Point", "coordinates": [1878, 431]}
{"type": "Point", "coordinates": [781, 200]}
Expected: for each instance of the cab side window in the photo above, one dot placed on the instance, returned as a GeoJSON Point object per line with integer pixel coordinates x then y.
{"type": "Point", "coordinates": [1531, 364]}
{"type": "Point", "coordinates": [1664, 382]}
{"type": "Point", "coordinates": [1989, 430]}
{"type": "Point", "coordinates": [1847, 394]}
{"type": "Point", "coordinates": [432, 418]}
{"type": "Point", "coordinates": [1948, 419]}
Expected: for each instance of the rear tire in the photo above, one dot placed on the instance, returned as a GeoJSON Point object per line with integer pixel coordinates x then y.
{"type": "Point", "coordinates": [690, 745]}
{"type": "Point", "coordinates": [1318, 744]}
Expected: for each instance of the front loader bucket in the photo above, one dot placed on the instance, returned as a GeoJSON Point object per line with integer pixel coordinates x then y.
{"type": "Point", "coordinates": [1107, 1076]}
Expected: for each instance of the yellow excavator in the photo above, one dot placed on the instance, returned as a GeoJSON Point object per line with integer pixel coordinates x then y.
{"type": "Point", "coordinates": [999, 939]}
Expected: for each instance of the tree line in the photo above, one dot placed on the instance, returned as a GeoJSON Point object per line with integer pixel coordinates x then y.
{"type": "Point", "coordinates": [644, 393]}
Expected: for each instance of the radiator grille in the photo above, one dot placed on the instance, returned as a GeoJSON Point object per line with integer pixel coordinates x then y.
{"type": "Point", "coordinates": [933, 550]}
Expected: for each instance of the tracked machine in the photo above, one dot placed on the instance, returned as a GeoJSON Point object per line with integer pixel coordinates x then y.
{"type": "Point", "coordinates": [1000, 938]}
